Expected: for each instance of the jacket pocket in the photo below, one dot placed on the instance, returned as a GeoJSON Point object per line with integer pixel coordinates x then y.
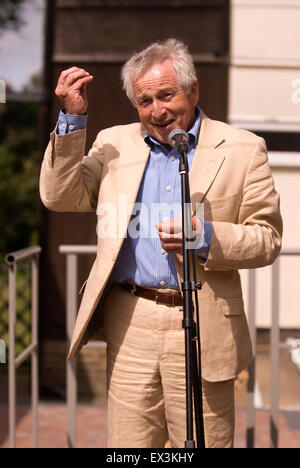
{"type": "Point", "coordinates": [231, 305]}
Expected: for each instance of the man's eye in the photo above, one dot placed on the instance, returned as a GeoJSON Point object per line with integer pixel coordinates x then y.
{"type": "Point", "coordinates": [167, 96]}
{"type": "Point", "coordinates": [144, 102]}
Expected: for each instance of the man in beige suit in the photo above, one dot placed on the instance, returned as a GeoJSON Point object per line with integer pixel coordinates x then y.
{"type": "Point", "coordinates": [133, 290]}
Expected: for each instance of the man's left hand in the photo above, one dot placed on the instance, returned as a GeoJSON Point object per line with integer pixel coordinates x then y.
{"type": "Point", "coordinates": [170, 233]}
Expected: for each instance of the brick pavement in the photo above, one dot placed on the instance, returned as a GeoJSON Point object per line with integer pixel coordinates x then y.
{"type": "Point", "coordinates": [91, 427]}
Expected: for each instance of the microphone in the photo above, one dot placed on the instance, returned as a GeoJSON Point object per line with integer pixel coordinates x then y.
{"type": "Point", "coordinates": [179, 140]}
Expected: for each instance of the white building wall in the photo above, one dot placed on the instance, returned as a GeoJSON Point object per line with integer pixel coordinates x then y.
{"type": "Point", "coordinates": [264, 95]}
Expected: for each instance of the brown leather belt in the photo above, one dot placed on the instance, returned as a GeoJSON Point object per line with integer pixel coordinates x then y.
{"type": "Point", "coordinates": [167, 298]}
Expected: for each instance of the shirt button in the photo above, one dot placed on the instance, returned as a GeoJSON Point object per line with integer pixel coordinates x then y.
{"type": "Point", "coordinates": [162, 283]}
{"type": "Point", "coordinates": [63, 126]}
{"type": "Point", "coordinates": [172, 158]}
{"type": "Point", "coordinates": [169, 188]}
{"type": "Point", "coordinates": [71, 127]}
{"type": "Point", "coordinates": [162, 251]}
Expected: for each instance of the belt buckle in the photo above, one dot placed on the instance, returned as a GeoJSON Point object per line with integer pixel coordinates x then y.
{"type": "Point", "coordinates": [164, 303]}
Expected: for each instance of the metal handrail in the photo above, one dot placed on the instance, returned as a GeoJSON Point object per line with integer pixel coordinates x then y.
{"type": "Point", "coordinates": [14, 257]}
{"type": "Point", "coordinates": [72, 251]}
{"type": "Point", "coordinates": [11, 260]}
{"type": "Point", "coordinates": [275, 339]}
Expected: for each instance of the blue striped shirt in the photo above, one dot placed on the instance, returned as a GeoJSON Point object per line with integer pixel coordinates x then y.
{"type": "Point", "coordinates": [141, 259]}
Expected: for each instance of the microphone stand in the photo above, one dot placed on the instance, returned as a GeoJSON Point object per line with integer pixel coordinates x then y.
{"type": "Point", "coordinates": [192, 334]}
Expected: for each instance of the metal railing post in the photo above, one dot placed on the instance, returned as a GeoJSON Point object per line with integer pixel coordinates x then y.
{"type": "Point", "coordinates": [72, 252]}
{"type": "Point", "coordinates": [32, 350]}
{"type": "Point", "coordinates": [275, 340]}
{"type": "Point", "coordinates": [12, 272]}
{"type": "Point", "coordinates": [34, 339]}
{"type": "Point", "coordinates": [71, 364]}
{"type": "Point", "coordinates": [250, 433]}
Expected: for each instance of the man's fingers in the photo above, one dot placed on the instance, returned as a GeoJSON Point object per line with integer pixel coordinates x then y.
{"type": "Point", "coordinates": [69, 77]}
{"type": "Point", "coordinates": [171, 237]}
{"type": "Point", "coordinates": [74, 77]}
{"type": "Point", "coordinates": [65, 73]}
{"type": "Point", "coordinates": [172, 248]}
{"type": "Point", "coordinates": [171, 226]}
{"type": "Point", "coordinates": [71, 90]}
{"type": "Point", "coordinates": [82, 82]}
{"type": "Point", "coordinates": [170, 234]}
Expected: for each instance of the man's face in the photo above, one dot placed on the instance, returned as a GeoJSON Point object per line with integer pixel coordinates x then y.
{"type": "Point", "coordinates": [161, 102]}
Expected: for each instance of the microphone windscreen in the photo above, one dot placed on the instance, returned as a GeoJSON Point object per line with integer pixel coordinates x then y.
{"type": "Point", "coordinates": [179, 140]}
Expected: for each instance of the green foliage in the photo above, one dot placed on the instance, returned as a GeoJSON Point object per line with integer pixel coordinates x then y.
{"type": "Point", "coordinates": [10, 13]}
{"type": "Point", "coordinates": [19, 171]}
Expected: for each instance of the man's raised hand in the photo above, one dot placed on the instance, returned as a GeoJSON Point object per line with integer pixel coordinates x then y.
{"type": "Point", "coordinates": [71, 90]}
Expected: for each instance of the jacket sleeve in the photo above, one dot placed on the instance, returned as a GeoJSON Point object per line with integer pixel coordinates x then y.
{"type": "Point", "coordinates": [255, 240]}
{"type": "Point", "coordinates": [69, 181]}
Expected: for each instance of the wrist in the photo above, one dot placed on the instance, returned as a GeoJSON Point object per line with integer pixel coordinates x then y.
{"type": "Point", "coordinates": [68, 123]}
{"type": "Point", "coordinates": [71, 112]}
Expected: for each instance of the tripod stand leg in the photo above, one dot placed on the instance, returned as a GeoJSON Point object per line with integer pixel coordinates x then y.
{"type": "Point", "coordinates": [198, 400]}
{"type": "Point", "coordinates": [189, 443]}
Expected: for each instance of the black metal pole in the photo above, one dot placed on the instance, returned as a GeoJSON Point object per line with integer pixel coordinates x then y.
{"type": "Point", "coordinates": [193, 383]}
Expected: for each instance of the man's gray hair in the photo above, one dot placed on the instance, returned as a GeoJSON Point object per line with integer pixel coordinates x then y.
{"type": "Point", "coordinates": [172, 49]}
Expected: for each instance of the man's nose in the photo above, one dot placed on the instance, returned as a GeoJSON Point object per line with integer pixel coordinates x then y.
{"type": "Point", "coordinates": [158, 110]}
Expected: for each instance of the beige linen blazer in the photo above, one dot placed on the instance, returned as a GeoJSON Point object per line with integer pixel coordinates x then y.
{"type": "Point", "coordinates": [230, 175]}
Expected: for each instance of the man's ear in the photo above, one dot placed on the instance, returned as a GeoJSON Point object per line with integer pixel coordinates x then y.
{"type": "Point", "coordinates": [195, 92]}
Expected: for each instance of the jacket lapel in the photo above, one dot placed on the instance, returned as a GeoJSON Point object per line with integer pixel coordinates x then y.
{"type": "Point", "coordinates": [131, 169]}
{"type": "Point", "coordinates": [207, 161]}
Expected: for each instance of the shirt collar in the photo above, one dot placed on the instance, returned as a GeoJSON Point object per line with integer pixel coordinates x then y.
{"type": "Point", "coordinates": [193, 132]}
